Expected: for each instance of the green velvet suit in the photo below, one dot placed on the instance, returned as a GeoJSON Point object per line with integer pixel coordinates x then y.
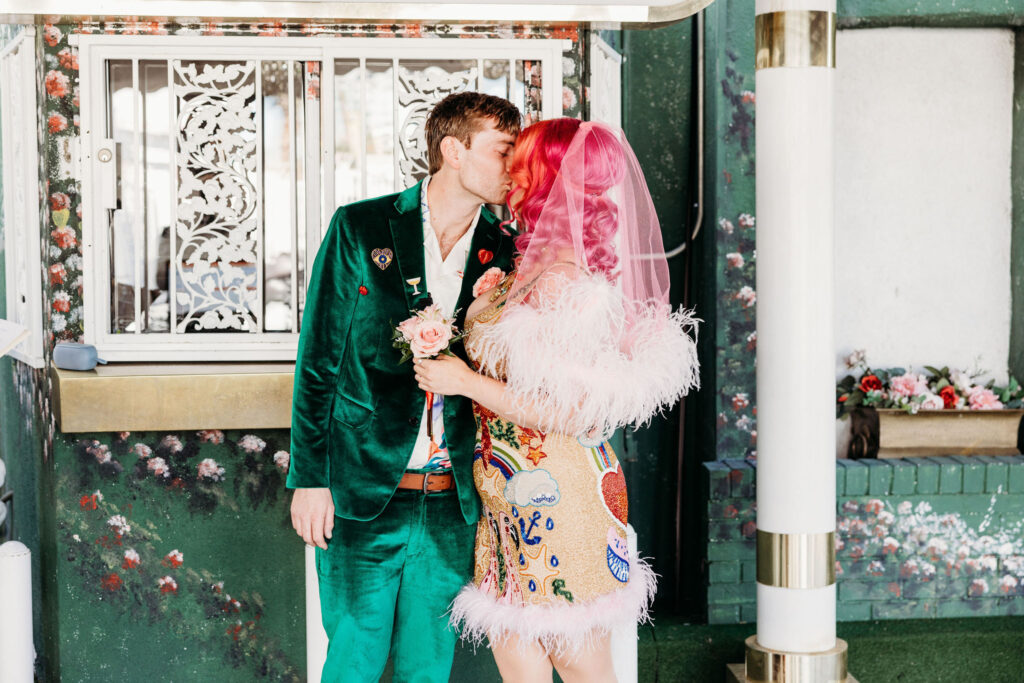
{"type": "Point", "coordinates": [355, 417]}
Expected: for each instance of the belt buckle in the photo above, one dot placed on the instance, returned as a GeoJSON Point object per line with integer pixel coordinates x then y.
{"type": "Point", "coordinates": [426, 480]}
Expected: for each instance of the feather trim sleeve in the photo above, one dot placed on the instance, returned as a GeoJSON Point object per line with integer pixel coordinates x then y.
{"type": "Point", "coordinates": [585, 363]}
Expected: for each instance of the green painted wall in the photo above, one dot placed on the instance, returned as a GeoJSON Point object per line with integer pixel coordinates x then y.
{"type": "Point", "coordinates": [915, 538]}
{"type": "Point", "coordinates": [949, 13]}
{"type": "Point", "coordinates": [1016, 364]}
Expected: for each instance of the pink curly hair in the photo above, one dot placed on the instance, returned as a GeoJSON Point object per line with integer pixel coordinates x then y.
{"type": "Point", "coordinates": [538, 156]}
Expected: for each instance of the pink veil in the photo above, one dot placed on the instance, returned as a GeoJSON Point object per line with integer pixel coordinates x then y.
{"type": "Point", "coordinates": [588, 337]}
{"type": "Point", "coordinates": [598, 218]}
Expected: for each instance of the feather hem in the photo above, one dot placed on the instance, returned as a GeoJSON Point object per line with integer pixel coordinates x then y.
{"type": "Point", "coordinates": [562, 629]}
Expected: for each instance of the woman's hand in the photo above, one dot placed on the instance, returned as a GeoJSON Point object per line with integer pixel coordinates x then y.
{"type": "Point", "coordinates": [445, 375]}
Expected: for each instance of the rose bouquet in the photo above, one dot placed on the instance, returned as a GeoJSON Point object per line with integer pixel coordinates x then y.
{"type": "Point", "coordinates": [937, 389]}
{"type": "Point", "coordinates": [427, 334]}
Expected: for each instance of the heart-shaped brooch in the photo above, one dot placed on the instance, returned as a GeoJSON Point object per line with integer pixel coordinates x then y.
{"type": "Point", "coordinates": [485, 256]}
{"type": "Point", "coordinates": [382, 257]}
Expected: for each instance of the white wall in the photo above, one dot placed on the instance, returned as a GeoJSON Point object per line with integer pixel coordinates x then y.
{"type": "Point", "coordinates": [923, 133]}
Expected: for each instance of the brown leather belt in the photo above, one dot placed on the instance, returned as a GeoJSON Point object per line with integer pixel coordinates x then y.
{"type": "Point", "coordinates": [427, 483]}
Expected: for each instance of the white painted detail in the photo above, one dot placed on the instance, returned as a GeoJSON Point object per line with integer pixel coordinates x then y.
{"type": "Point", "coordinates": [796, 619]}
{"type": "Point", "coordinates": [923, 196]}
{"type": "Point", "coordinates": [210, 182]}
{"type": "Point", "coordinates": [22, 212]}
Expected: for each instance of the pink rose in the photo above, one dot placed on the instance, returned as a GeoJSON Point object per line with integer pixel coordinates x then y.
{"type": "Point", "coordinates": [432, 313]}
{"type": "Point", "coordinates": [980, 398]}
{"type": "Point", "coordinates": [408, 327]}
{"type": "Point", "coordinates": [430, 338]}
{"type": "Point", "coordinates": [908, 385]}
{"type": "Point", "coordinates": [489, 280]}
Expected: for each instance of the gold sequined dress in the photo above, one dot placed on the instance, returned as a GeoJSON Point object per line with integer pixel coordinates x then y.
{"type": "Point", "coordinates": [552, 561]}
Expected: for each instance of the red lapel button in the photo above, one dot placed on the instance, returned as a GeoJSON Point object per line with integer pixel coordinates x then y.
{"type": "Point", "coordinates": [363, 290]}
{"type": "Point", "coordinates": [485, 256]}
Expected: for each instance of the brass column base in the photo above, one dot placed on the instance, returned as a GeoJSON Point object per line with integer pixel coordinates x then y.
{"type": "Point", "coordinates": [770, 666]}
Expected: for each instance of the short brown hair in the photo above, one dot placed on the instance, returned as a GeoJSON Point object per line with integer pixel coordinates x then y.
{"type": "Point", "coordinates": [462, 114]}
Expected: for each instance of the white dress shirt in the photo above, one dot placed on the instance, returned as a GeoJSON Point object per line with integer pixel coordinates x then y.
{"type": "Point", "coordinates": [444, 284]}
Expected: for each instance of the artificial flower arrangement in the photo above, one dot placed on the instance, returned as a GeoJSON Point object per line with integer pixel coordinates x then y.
{"type": "Point", "coordinates": [939, 389]}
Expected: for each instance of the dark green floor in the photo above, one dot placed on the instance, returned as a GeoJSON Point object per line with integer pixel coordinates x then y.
{"type": "Point", "coordinates": [976, 650]}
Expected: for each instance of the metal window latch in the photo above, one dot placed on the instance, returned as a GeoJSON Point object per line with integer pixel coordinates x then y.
{"type": "Point", "coordinates": [106, 173]}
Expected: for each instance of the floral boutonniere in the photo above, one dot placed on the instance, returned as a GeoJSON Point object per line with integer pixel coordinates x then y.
{"type": "Point", "coordinates": [489, 280]}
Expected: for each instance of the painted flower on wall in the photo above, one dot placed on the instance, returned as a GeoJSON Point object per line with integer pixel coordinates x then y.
{"type": "Point", "coordinates": [167, 584]}
{"type": "Point", "coordinates": [111, 582]}
{"type": "Point", "coordinates": [158, 466]}
{"type": "Point", "coordinates": [56, 123]}
{"type": "Point", "coordinates": [142, 450]}
{"type": "Point", "coordinates": [131, 559]}
{"type": "Point", "coordinates": [119, 525]}
{"type": "Point", "coordinates": [171, 443]}
{"type": "Point", "coordinates": [282, 460]}
{"type": "Point", "coordinates": [173, 559]}
{"type": "Point", "coordinates": [209, 470]}
{"type": "Point", "coordinates": [211, 436]}
{"type": "Point", "coordinates": [68, 58]}
{"type": "Point", "coordinates": [251, 444]}
{"type": "Point", "coordinates": [52, 35]}
{"type": "Point", "coordinates": [57, 274]}
{"type": "Point", "coordinates": [61, 301]}
{"type": "Point", "coordinates": [57, 84]}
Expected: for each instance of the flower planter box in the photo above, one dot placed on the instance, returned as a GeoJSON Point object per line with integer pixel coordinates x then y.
{"type": "Point", "coordinates": [948, 432]}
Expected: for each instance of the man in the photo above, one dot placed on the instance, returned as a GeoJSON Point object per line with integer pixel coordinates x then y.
{"type": "Point", "coordinates": [391, 511]}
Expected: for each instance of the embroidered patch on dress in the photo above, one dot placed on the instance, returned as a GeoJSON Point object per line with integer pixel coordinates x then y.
{"type": "Point", "coordinates": [382, 257]}
{"type": "Point", "coordinates": [618, 556]}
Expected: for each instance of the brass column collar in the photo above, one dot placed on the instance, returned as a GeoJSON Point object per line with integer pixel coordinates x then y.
{"type": "Point", "coordinates": [796, 560]}
{"type": "Point", "coordinates": [795, 38]}
{"type": "Point", "coordinates": [772, 666]}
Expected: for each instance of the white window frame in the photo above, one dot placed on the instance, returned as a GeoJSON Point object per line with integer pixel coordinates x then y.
{"type": "Point", "coordinates": [94, 50]}
{"type": "Point", "coordinates": [22, 211]}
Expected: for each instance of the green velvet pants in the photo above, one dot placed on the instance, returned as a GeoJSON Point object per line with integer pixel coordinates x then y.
{"type": "Point", "coordinates": [386, 584]}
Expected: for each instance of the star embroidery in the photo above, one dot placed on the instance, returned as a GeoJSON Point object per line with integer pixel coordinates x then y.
{"type": "Point", "coordinates": [537, 568]}
{"type": "Point", "coordinates": [533, 454]}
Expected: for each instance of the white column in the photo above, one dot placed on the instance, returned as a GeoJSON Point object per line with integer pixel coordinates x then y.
{"type": "Point", "coordinates": [795, 320]}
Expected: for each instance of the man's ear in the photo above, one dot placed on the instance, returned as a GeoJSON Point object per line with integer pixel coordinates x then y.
{"type": "Point", "coordinates": [452, 150]}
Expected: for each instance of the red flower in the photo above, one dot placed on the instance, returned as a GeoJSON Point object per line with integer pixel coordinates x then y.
{"type": "Point", "coordinates": [57, 274]}
{"type": "Point", "coordinates": [949, 397]}
{"type": "Point", "coordinates": [56, 83]}
{"type": "Point", "coordinates": [63, 237]}
{"type": "Point", "coordinates": [88, 502]}
{"type": "Point", "coordinates": [68, 58]}
{"type": "Point", "coordinates": [843, 398]}
{"type": "Point", "coordinates": [59, 201]}
{"type": "Point", "coordinates": [56, 123]}
{"type": "Point", "coordinates": [111, 582]}
{"type": "Point", "coordinates": [870, 383]}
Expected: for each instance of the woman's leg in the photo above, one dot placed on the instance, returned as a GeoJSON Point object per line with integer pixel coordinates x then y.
{"type": "Point", "coordinates": [520, 662]}
{"type": "Point", "coordinates": [592, 664]}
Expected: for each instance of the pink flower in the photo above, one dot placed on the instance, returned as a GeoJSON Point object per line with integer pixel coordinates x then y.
{"type": "Point", "coordinates": [68, 58]}
{"type": "Point", "coordinates": [932, 402]}
{"type": "Point", "coordinates": [167, 584]}
{"type": "Point", "coordinates": [980, 398]}
{"type": "Point", "coordinates": [158, 466]}
{"type": "Point", "coordinates": [734, 260]}
{"type": "Point", "coordinates": [172, 443]}
{"type": "Point", "coordinates": [747, 295]}
{"type": "Point", "coordinates": [746, 220]}
{"type": "Point", "coordinates": [281, 459]}
{"type": "Point", "coordinates": [211, 436]}
{"type": "Point", "coordinates": [748, 97]}
{"type": "Point", "coordinates": [251, 443]}
{"type": "Point", "coordinates": [908, 384]}
{"type": "Point", "coordinates": [52, 35]}
{"type": "Point", "coordinates": [874, 506]}
{"type": "Point", "coordinates": [430, 338]}
{"type": "Point", "coordinates": [977, 588]}
{"type": "Point", "coordinates": [489, 280]}
{"type": "Point", "coordinates": [142, 450]}
{"type": "Point", "coordinates": [209, 469]}
{"type": "Point", "coordinates": [568, 98]}
{"type": "Point", "coordinates": [408, 327]}
{"type": "Point", "coordinates": [726, 225]}
{"type": "Point", "coordinates": [890, 545]}
{"type": "Point", "coordinates": [1008, 583]}
{"type": "Point", "coordinates": [61, 301]}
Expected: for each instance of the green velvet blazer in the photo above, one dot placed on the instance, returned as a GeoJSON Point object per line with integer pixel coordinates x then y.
{"type": "Point", "coordinates": [356, 411]}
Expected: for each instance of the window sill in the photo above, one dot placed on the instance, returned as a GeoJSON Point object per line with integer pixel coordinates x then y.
{"type": "Point", "coordinates": [173, 396]}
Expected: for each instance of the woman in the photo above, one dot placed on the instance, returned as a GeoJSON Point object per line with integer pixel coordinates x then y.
{"type": "Point", "coordinates": [578, 340]}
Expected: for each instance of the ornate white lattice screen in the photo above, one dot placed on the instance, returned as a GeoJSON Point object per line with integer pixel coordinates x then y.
{"type": "Point", "coordinates": [21, 209]}
{"type": "Point", "coordinates": [212, 165]}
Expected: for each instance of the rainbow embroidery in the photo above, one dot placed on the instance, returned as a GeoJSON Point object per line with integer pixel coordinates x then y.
{"type": "Point", "coordinates": [500, 458]}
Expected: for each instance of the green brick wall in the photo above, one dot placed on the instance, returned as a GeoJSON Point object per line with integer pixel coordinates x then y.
{"type": "Point", "coordinates": [940, 536]}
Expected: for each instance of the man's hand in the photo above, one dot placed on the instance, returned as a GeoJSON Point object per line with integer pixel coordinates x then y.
{"type": "Point", "coordinates": [313, 515]}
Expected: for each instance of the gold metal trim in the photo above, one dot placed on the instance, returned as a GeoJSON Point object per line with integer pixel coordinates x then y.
{"type": "Point", "coordinates": [60, 11]}
{"type": "Point", "coordinates": [130, 397]}
{"type": "Point", "coordinates": [796, 560]}
{"type": "Point", "coordinates": [772, 666]}
{"type": "Point", "coordinates": [795, 38]}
